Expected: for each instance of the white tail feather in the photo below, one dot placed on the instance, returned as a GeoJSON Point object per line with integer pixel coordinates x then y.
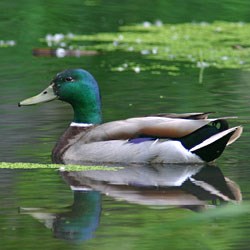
{"type": "Point", "coordinates": [237, 132]}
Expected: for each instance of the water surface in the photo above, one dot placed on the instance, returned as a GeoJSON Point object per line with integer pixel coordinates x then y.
{"type": "Point", "coordinates": [39, 210]}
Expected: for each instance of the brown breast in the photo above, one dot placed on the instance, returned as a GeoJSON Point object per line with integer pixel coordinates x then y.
{"type": "Point", "coordinates": [70, 136]}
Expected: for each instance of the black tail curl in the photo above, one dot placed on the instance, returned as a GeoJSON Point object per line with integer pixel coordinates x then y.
{"type": "Point", "coordinates": [213, 150]}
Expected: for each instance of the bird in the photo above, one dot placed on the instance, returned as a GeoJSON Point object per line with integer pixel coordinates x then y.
{"type": "Point", "coordinates": [158, 138]}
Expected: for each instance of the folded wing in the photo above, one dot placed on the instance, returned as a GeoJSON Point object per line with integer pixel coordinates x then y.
{"type": "Point", "coordinates": [158, 127]}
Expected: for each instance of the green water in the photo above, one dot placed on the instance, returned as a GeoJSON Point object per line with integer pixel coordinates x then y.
{"type": "Point", "coordinates": [114, 216]}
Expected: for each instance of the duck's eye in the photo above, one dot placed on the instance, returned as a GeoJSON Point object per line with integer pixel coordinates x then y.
{"type": "Point", "coordinates": [69, 79]}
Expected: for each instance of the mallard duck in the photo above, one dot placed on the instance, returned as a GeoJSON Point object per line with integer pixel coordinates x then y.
{"type": "Point", "coordinates": [160, 138]}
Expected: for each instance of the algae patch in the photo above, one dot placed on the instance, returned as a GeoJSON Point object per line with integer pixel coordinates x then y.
{"type": "Point", "coordinates": [222, 44]}
{"type": "Point", "coordinates": [21, 165]}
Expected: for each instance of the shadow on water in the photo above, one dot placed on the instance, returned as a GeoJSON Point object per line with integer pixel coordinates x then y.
{"type": "Point", "coordinates": [191, 187]}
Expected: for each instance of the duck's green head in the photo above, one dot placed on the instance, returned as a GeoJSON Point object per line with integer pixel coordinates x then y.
{"type": "Point", "coordinates": [78, 88]}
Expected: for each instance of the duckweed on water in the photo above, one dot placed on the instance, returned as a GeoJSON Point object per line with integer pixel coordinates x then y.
{"type": "Point", "coordinates": [222, 44]}
{"type": "Point", "coordinates": [22, 165]}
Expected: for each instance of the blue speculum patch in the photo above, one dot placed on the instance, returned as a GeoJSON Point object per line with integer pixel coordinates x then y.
{"type": "Point", "coordinates": [142, 139]}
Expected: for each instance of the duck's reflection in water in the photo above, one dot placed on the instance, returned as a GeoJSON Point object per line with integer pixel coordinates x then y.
{"type": "Point", "coordinates": [187, 186]}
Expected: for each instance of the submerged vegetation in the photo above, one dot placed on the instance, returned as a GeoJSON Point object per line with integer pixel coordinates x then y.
{"type": "Point", "coordinates": [221, 44]}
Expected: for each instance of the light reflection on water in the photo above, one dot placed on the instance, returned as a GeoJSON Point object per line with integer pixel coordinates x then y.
{"type": "Point", "coordinates": [119, 213]}
{"type": "Point", "coordinates": [109, 204]}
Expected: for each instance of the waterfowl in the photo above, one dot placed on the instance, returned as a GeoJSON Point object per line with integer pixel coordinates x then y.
{"type": "Point", "coordinates": [160, 138]}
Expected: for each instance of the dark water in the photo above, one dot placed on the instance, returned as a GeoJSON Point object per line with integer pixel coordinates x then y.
{"type": "Point", "coordinates": [37, 207]}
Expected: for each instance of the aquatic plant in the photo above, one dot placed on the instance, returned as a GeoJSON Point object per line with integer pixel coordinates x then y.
{"type": "Point", "coordinates": [25, 165]}
{"type": "Point", "coordinates": [223, 45]}
{"type": "Point", "coordinates": [7, 43]}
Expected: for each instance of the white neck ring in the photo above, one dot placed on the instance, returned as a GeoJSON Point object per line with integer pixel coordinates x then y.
{"type": "Point", "coordinates": [84, 125]}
